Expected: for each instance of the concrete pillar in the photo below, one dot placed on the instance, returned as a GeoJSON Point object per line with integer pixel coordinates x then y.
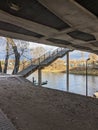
{"type": "Point", "coordinates": [67, 70]}
{"type": "Point", "coordinates": [39, 77]}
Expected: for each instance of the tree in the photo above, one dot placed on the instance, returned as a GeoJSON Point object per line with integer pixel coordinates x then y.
{"type": "Point", "coordinates": [16, 48]}
{"type": "Point", "coordinates": [6, 58]}
{"type": "Point", "coordinates": [17, 55]}
{"type": "Point", "coordinates": [0, 67]}
{"type": "Point", "coordinates": [93, 57]}
{"type": "Point", "coordinates": [38, 51]}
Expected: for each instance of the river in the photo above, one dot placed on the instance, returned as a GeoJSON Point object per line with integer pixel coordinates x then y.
{"type": "Point", "coordinates": [77, 82]}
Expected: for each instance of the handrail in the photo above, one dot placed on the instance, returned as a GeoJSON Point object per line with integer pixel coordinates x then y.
{"type": "Point", "coordinates": [43, 57]}
{"type": "Point", "coordinates": [32, 61]}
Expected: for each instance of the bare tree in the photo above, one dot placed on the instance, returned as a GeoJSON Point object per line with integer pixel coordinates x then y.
{"type": "Point", "coordinates": [16, 48]}
{"type": "Point", "coordinates": [6, 58]}
{"type": "Point", "coordinates": [0, 67]}
{"type": "Point", "coordinates": [93, 57]}
{"type": "Point", "coordinates": [38, 51]}
{"type": "Point", "coordinates": [17, 55]}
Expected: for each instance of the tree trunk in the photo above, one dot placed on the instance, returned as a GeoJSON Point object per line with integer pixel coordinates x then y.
{"type": "Point", "coordinates": [6, 58]}
{"type": "Point", "coordinates": [0, 67]}
{"type": "Point", "coordinates": [17, 60]}
{"type": "Point", "coordinates": [17, 55]}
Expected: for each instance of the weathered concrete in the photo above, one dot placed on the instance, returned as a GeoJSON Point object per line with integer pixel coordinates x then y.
{"type": "Point", "coordinates": [39, 76]}
{"type": "Point", "coordinates": [24, 23]}
{"type": "Point", "coordinates": [5, 123]}
{"type": "Point", "coordinates": [37, 108]}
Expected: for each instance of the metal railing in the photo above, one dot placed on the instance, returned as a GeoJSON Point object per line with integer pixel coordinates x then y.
{"type": "Point", "coordinates": [38, 61]}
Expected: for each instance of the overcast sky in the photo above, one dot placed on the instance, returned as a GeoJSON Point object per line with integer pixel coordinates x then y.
{"type": "Point", "coordinates": [73, 55]}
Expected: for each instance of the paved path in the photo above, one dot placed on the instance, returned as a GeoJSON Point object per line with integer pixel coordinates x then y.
{"type": "Point", "coordinates": [37, 108]}
{"type": "Point", "coordinates": [5, 123]}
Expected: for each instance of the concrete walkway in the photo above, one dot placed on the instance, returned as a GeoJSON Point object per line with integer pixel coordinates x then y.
{"type": "Point", "coordinates": [37, 108]}
{"type": "Point", "coordinates": [5, 123]}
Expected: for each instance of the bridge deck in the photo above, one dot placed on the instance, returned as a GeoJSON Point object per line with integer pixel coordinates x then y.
{"type": "Point", "coordinates": [37, 108]}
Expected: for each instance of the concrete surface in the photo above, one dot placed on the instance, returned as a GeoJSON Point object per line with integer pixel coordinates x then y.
{"type": "Point", "coordinates": [31, 19]}
{"type": "Point", "coordinates": [5, 123]}
{"type": "Point", "coordinates": [37, 108]}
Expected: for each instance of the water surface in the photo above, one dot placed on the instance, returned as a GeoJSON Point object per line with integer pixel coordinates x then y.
{"type": "Point", "coordinates": [77, 82]}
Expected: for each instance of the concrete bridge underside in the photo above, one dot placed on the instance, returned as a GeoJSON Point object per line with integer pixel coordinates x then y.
{"type": "Point", "coordinates": [64, 23]}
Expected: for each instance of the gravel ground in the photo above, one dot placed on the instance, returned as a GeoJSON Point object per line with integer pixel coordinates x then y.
{"type": "Point", "coordinates": [37, 108]}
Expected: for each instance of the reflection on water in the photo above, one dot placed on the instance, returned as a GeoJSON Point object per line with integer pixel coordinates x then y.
{"type": "Point", "coordinates": [77, 82]}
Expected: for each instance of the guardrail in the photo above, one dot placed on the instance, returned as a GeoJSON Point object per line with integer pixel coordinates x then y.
{"type": "Point", "coordinates": [39, 60]}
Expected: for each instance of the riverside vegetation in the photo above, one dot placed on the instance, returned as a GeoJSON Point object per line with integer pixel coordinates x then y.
{"type": "Point", "coordinates": [76, 67]}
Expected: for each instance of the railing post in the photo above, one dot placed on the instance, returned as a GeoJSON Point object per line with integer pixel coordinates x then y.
{"type": "Point", "coordinates": [49, 53]}
{"type": "Point", "coordinates": [87, 77]}
{"type": "Point", "coordinates": [39, 60]}
{"type": "Point", "coordinates": [57, 51]}
{"type": "Point", "coordinates": [23, 65]}
{"type": "Point", "coordinates": [61, 51]}
{"type": "Point", "coordinates": [44, 56]}
{"type": "Point", "coordinates": [67, 74]}
{"type": "Point", "coordinates": [31, 62]}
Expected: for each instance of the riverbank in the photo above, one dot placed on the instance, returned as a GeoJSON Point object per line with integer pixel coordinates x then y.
{"type": "Point", "coordinates": [54, 71]}
{"type": "Point", "coordinates": [57, 66]}
{"type": "Point", "coordinates": [77, 71]}
{"type": "Point", "coordinates": [82, 71]}
{"type": "Point", "coordinates": [39, 108]}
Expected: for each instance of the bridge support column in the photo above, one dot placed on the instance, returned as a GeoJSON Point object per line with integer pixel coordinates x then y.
{"type": "Point", "coordinates": [67, 70]}
{"type": "Point", "coordinates": [39, 77]}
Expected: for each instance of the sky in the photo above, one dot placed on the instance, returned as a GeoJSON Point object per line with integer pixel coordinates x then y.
{"type": "Point", "coordinates": [78, 55]}
{"type": "Point", "coordinates": [73, 55]}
